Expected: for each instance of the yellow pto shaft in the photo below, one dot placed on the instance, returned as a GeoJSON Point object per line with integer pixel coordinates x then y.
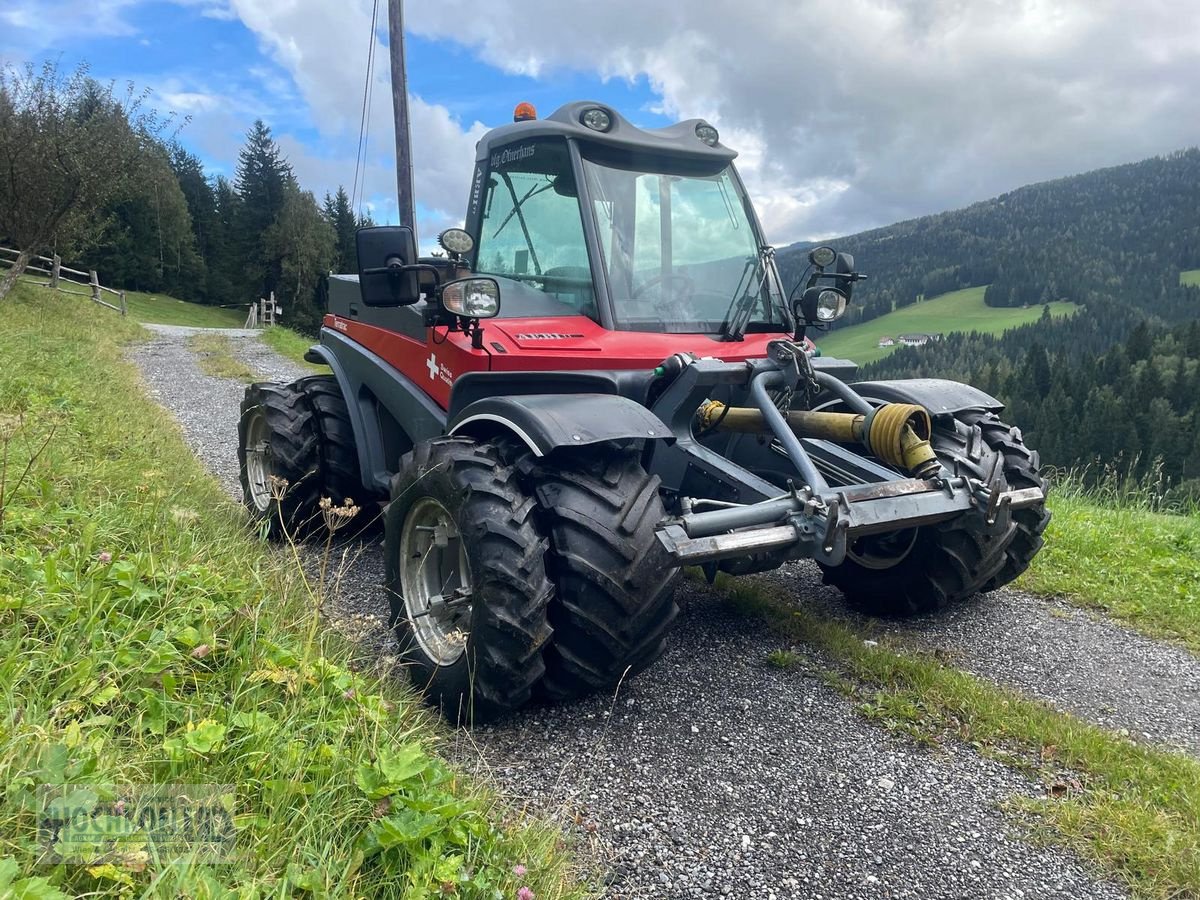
{"type": "Point", "coordinates": [896, 433]}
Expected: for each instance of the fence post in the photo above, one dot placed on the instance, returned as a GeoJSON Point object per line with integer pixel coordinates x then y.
{"type": "Point", "coordinates": [95, 285]}
{"type": "Point", "coordinates": [123, 308]}
{"type": "Point", "coordinates": [272, 308]}
{"type": "Point", "coordinates": [54, 267]}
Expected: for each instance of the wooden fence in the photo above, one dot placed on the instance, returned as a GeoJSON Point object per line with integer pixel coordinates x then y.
{"type": "Point", "coordinates": [60, 275]}
{"type": "Point", "coordinates": [262, 314]}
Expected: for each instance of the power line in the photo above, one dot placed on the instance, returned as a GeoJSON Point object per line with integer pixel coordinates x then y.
{"type": "Point", "coordinates": [360, 157]}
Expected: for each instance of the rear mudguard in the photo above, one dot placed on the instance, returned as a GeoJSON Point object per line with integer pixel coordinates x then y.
{"type": "Point", "coordinates": [387, 411]}
{"type": "Point", "coordinates": [544, 422]}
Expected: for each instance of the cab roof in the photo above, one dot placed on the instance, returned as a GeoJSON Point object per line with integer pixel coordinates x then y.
{"type": "Point", "coordinates": [678, 140]}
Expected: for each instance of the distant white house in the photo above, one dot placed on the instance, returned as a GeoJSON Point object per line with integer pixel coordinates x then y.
{"type": "Point", "coordinates": [886, 341]}
{"type": "Point", "coordinates": [916, 340]}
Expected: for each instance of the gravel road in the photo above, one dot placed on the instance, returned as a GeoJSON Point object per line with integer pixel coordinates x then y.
{"type": "Point", "coordinates": [714, 774]}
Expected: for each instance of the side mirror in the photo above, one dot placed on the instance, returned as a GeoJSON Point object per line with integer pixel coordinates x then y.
{"type": "Point", "coordinates": [472, 298]}
{"type": "Point", "coordinates": [384, 254]}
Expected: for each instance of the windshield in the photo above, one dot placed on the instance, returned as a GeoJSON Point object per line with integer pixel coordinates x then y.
{"type": "Point", "coordinates": [679, 251]}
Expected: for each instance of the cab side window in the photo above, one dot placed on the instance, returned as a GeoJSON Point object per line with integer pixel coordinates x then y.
{"type": "Point", "coordinates": [531, 230]}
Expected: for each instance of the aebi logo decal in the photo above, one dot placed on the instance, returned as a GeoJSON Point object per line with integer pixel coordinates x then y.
{"type": "Point", "coordinates": [438, 370]}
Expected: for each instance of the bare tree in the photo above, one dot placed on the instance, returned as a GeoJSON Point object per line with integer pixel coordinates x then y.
{"type": "Point", "coordinates": [67, 146]}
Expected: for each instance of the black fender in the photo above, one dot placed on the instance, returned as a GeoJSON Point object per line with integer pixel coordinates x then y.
{"type": "Point", "coordinates": [387, 411]}
{"type": "Point", "coordinates": [938, 395]}
{"type": "Point", "coordinates": [544, 422]}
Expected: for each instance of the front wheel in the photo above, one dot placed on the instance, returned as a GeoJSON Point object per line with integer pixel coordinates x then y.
{"type": "Point", "coordinates": [919, 570]}
{"type": "Point", "coordinates": [614, 584]}
{"type": "Point", "coordinates": [465, 579]}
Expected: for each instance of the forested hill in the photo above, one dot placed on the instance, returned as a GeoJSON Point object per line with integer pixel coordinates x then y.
{"type": "Point", "coordinates": [1115, 386]}
{"type": "Point", "coordinates": [1119, 234]}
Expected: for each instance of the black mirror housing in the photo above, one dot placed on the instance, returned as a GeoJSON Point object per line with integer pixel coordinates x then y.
{"type": "Point", "coordinates": [385, 253]}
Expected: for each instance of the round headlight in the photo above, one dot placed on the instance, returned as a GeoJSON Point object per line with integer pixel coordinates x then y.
{"type": "Point", "coordinates": [475, 298]}
{"type": "Point", "coordinates": [822, 256]}
{"type": "Point", "coordinates": [596, 119]}
{"type": "Point", "coordinates": [708, 134]}
{"type": "Point", "coordinates": [456, 240]}
{"type": "Point", "coordinates": [830, 305]}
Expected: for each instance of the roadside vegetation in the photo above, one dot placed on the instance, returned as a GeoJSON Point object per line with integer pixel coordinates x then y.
{"type": "Point", "coordinates": [956, 311]}
{"type": "Point", "coordinates": [148, 636]}
{"type": "Point", "coordinates": [290, 344]}
{"type": "Point", "coordinates": [1132, 809]}
{"type": "Point", "coordinates": [215, 356]}
{"type": "Point", "coordinates": [1113, 548]}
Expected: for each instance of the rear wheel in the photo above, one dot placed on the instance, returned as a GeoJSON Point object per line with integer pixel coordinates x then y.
{"type": "Point", "coordinates": [466, 579]}
{"type": "Point", "coordinates": [279, 459]}
{"type": "Point", "coordinates": [614, 584]}
{"type": "Point", "coordinates": [918, 570]}
{"type": "Point", "coordinates": [341, 480]}
{"type": "Point", "coordinates": [296, 446]}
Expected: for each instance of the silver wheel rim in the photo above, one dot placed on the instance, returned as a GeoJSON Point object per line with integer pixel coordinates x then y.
{"type": "Point", "coordinates": [435, 579]}
{"type": "Point", "coordinates": [258, 461]}
{"type": "Point", "coordinates": [882, 551]}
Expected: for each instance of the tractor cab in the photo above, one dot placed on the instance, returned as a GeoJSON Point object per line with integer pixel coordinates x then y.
{"type": "Point", "coordinates": [585, 214]}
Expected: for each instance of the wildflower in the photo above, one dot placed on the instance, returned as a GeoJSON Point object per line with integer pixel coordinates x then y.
{"type": "Point", "coordinates": [524, 894]}
{"type": "Point", "coordinates": [519, 870]}
{"type": "Point", "coordinates": [337, 516]}
{"type": "Point", "coordinates": [348, 694]}
{"type": "Point", "coordinates": [105, 557]}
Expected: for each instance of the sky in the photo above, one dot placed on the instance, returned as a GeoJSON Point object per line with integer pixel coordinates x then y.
{"type": "Point", "coordinates": [847, 114]}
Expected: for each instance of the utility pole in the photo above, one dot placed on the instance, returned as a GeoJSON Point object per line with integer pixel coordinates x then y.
{"type": "Point", "coordinates": [404, 171]}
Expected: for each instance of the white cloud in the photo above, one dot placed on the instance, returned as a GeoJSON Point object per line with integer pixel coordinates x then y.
{"type": "Point", "coordinates": [847, 113]}
{"type": "Point", "coordinates": [859, 112]}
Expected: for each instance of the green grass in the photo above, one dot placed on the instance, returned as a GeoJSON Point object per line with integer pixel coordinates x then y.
{"type": "Point", "coordinates": [163, 310]}
{"type": "Point", "coordinates": [160, 309]}
{"type": "Point", "coordinates": [1139, 566]}
{"type": "Point", "coordinates": [1190, 277]}
{"type": "Point", "coordinates": [148, 635]}
{"type": "Point", "coordinates": [290, 344]}
{"type": "Point", "coordinates": [957, 311]}
{"type": "Point", "coordinates": [1132, 809]}
{"type": "Point", "coordinates": [214, 354]}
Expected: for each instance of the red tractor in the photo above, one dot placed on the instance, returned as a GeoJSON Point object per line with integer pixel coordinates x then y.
{"type": "Point", "coordinates": [603, 380]}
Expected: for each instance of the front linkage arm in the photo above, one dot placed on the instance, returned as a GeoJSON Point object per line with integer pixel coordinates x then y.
{"type": "Point", "coordinates": [812, 519]}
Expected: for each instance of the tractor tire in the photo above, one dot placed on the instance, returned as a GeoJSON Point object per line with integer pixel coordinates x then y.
{"type": "Point", "coordinates": [341, 480]}
{"type": "Point", "coordinates": [279, 457]}
{"type": "Point", "coordinates": [931, 566]}
{"type": "Point", "coordinates": [307, 453]}
{"type": "Point", "coordinates": [1021, 470]}
{"type": "Point", "coordinates": [459, 522]}
{"type": "Point", "coordinates": [614, 585]}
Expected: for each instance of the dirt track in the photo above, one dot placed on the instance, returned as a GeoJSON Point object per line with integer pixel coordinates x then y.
{"type": "Point", "coordinates": [713, 774]}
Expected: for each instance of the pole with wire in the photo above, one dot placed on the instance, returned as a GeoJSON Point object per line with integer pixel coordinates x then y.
{"type": "Point", "coordinates": [404, 172]}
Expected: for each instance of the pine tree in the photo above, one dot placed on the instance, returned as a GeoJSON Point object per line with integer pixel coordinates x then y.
{"type": "Point", "coordinates": [345, 226]}
{"type": "Point", "coordinates": [263, 181]}
{"type": "Point", "coordinates": [202, 207]}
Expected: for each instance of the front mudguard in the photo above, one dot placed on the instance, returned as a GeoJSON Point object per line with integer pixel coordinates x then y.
{"type": "Point", "coordinates": [938, 395]}
{"type": "Point", "coordinates": [546, 422]}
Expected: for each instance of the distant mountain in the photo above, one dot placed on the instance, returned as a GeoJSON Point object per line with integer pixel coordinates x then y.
{"type": "Point", "coordinates": [1118, 235]}
{"type": "Point", "coordinates": [1114, 388]}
